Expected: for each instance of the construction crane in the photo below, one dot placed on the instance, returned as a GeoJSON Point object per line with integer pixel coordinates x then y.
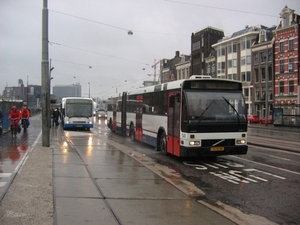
{"type": "Point", "coordinates": [154, 74]}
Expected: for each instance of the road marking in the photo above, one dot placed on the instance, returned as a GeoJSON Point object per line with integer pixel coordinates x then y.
{"type": "Point", "coordinates": [279, 158]}
{"type": "Point", "coordinates": [273, 167]}
{"type": "Point", "coordinates": [2, 184]}
{"type": "Point", "coordinates": [5, 175]}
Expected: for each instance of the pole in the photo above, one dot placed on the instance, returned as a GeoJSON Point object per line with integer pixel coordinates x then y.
{"type": "Point", "coordinates": [267, 86]}
{"type": "Point", "coordinates": [27, 93]}
{"type": "Point", "coordinates": [89, 90]}
{"type": "Point", "coordinates": [45, 78]}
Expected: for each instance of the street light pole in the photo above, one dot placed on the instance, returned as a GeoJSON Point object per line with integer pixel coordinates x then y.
{"type": "Point", "coordinates": [27, 93]}
{"type": "Point", "coordinates": [45, 78]}
{"type": "Point", "coordinates": [89, 90]}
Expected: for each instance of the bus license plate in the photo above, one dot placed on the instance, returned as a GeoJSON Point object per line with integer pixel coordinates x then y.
{"type": "Point", "coordinates": [214, 149]}
{"type": "Point", "coordinates": [79, 126]}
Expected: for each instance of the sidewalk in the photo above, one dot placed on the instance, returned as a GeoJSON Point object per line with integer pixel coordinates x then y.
{"type": "Point", "coordinates": [277, 137]}
{"type": "Point", "coordinates": [54, 187]}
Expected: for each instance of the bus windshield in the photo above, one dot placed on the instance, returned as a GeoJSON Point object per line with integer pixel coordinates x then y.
{"type": "Point", "coordinates": [215, 106]}
{"type": "Point", "coordinates": [79, 110]}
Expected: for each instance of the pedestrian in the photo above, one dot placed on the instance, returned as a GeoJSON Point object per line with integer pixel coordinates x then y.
{"type": "Point", "coordinates": [56, 115]}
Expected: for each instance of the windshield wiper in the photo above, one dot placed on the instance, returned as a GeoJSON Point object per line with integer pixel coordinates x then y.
{"type": "Point", "coordinates": [201, 116]}
{"type": "Point", "coordinates": [238, 115]}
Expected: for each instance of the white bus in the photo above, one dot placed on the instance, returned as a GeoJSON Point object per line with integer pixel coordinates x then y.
{"type": "Point", "coordinates": [77, 113]}
{"type": "Point", "coordinates": [200, 116]}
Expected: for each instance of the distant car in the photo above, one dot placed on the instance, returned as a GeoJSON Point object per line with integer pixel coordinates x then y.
{"type": "Point", "coordinates": [263, 120]}
{"type": "Point", "coordinates": [253, 119]}
{"type": "Point", "coordinates": [101, 113]}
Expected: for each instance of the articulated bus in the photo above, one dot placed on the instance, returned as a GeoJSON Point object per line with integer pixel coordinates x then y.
{"type": "Point", "coordinates": [77, 113]}
{"type": "Point", "coordinates": [200, 116]}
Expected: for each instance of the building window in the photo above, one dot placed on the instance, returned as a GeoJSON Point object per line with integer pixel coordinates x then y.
{"type": "Point", "coordinates": [263, 93]}
{"type": "Point", "coordinates": [196, 45]}
{"type": "Point", "coordinates": [202, 40]}
{"type": "Point", "coordinates": [230, 63]}
{"type": "Point", "coordinates": [263, 74]}
{"type": "Point", "coordinates": [234, 76]}
{"type": "Point", "coordinates": [286, 21]}
{"type": "Point", "coordinates": [291, 64]}
{"type": "Point", "coordinates": [291, 87]}
{"type": "Point", "coordinates": [221, 67]}
{"type": "Point", "coordinates": [262, 57]}
{"type": "Point", "coordinates": [229, 48]}
{"type": "Point", "coordinates": [262, 36]}
{"type": "Point", "coordinates": [281, 88]}
{"type": "Point", "coordinates": [179, 75]}
{"type": "Point", "coordinates": [234, 47]}
{"type": "Point", "coordinates": [270, 55]}
{"type": "Point", "coordinates": [270, 76]}
{"type": "Point", "coordinates": [270, 93]}
{"type": "Point", "coordinates": [281, 46]}
{"type": "Point", "coordinates": [256, 93]}
{"type": "Point", "coordinates": [281, 66]}
{"type": "Point", "coordinates": [256, 75]}
{"type": "Point", "coordinates": [246, 76]}
{"type": "Point", "coordinates": [256, 58]}
{"type": "Point", "coordinates": [248, 60]}
{"type": "Point", "coordinates": [234, 62]}
{"type": "Point", "coordinates": [243, 60]}
{"type": "Point", "coordinates": [291, 44]}
{"type": "Point", "coordinates": [246, 94]}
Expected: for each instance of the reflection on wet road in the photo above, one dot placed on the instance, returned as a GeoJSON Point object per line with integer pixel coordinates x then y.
{"type": "Point", "coordinates": [14, 150]}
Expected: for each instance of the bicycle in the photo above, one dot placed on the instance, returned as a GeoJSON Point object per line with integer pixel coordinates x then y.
{"type": "Point", "coordinates": [13, 127]}
{"type": "Point", "coordinates": [24, 123]}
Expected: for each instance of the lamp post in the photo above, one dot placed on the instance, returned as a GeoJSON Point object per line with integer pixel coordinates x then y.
{"type": "Point", "coordinates": [27, 93]}
{"type": "Point", "coordinates": [45, 78]}
{"type": "Point", "coordinates": [89, 90]}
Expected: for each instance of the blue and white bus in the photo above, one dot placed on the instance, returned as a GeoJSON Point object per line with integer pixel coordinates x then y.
{"type": "Point", "coordinates": [77, 113]}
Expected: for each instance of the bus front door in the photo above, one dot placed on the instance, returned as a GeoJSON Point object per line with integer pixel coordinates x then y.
{"type": "Point", "coordinates": [138, 118]}
{"type": "Point", "coordinates": [173, 146]}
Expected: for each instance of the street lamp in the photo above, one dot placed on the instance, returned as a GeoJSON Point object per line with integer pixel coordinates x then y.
{"type": "Point", "coordinates": [89, 90]}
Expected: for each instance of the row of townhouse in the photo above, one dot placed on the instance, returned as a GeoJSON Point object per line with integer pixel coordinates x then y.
{"type": "Point", "coordinates": [265, 59]}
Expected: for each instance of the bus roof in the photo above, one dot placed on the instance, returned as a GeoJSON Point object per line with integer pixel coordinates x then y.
{"type": "Point", "coordinates": [175, 84]}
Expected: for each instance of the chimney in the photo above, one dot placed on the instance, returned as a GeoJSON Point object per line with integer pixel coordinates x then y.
{"type": "Point", "coordinates": [177, 53]}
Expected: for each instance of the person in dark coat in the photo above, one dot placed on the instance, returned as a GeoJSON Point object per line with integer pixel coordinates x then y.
{"type": "Point", "coordinates": [56, 115]}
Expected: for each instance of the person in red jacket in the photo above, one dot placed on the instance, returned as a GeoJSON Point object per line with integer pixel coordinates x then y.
{"type": "Point", "coordinates": [25, 114]}
{"type": "Point", "coordinates": [14, 117]}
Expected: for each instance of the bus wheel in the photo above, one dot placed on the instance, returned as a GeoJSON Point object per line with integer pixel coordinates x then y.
{"type": "Point", "coordinates": [131, 133]}
{"type": "Point", "coordinates": [163, 144]}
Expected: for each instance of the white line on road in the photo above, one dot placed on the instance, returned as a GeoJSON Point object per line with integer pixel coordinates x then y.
{"type": "Point", "coordinates": [274, 167]}
{"type": "Point", "coordinates": [5, 175]}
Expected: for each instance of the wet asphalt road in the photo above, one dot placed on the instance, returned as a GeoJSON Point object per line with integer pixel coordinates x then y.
{"type": "Point", "coordinates": [265, 182]}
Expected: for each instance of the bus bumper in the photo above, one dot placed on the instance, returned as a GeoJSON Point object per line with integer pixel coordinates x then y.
{"type": "Point", "coordinates": [207, 152]}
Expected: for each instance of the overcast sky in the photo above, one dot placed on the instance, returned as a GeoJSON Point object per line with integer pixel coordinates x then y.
{"type": "Point", "coordinates": [89, 39]}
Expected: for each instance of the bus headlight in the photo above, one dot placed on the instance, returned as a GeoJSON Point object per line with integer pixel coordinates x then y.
{"type": "Point", "coordinates": [193, 143]}
{"type": "Point", "coordinates": [240, 141]}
